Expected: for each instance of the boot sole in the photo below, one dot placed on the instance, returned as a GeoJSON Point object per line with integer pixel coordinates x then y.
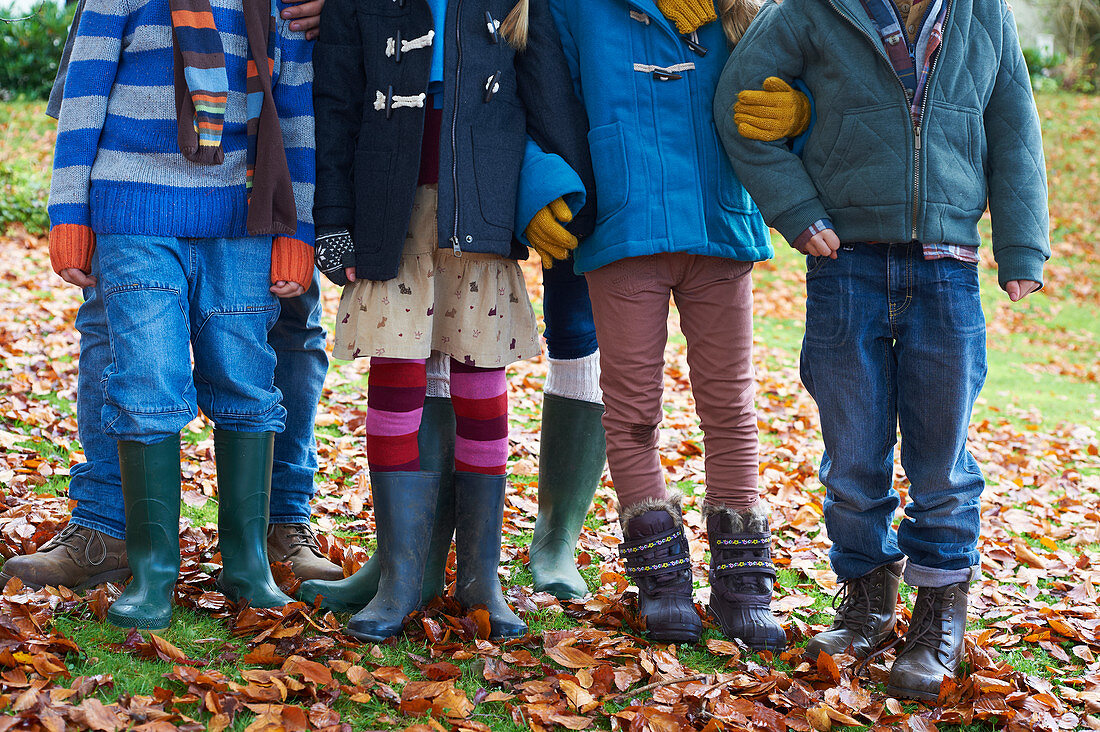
{"type": "Point", "coordinates": [902, 693]}
{"type": "Point", "coordinates": [366, 637]}
{"type": "Point", "coordinates": [123, 621]}
{"type": "Point", "coordinates": [116, 575]}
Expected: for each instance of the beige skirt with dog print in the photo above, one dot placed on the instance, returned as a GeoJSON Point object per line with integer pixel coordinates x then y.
{"type": "Point", "coordinates": [474, 308]}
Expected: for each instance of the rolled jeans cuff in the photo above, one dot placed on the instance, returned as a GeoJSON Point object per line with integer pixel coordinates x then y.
{"type": "Point", "coordinates": [108, 529]}
{"type": "Point", "coordinates": [917, 575]}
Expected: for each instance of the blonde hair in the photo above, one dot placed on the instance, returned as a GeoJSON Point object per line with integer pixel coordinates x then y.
{"type": "Point", "coordinates": [515, 27]}
{"type": "Point", "coordinates": [735, 14]}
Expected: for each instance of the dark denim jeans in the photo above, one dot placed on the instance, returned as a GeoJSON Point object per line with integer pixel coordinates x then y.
{"type": "Point", "coordinates": [894, 340]}
{"type": "Point", "coordinates": [299, 343]}
{"type": "Point", "coordinates": [570, 331]}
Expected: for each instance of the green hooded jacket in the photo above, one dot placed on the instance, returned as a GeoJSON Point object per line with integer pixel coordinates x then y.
{"type": "Point", "coordinates": [865, 166]}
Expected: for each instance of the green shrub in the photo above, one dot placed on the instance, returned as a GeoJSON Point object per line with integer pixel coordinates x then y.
{"type": "Point", "coordinates": [23, 197]}
{"type": "Point", "coordinates": [30, 49]}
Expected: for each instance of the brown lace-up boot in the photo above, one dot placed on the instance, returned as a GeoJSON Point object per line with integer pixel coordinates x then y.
{"type": "Point", "coordinates": [933, 645]}
{"type": "Point", "coordinates": [866, 616]}
{"type": "Point", "coordinates": [78, 558]}
{"type": "Point", "coordinates": [296, 544]}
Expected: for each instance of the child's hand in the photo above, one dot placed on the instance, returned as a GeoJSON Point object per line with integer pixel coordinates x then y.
{"type": "Point", "coordinates": [823, 244]}
{"type": "Point", "coordinates": [1019, 289]}
{"type": "Point", "coordinates": [282, 288]}
{"type": "Point", "coordinates": [307, 15]}
{"type": "Point", "coordinates": [77, 277]}
{"type": "Point", "coordinates": [776, 112]}
{"type": "Point", "coordinates": [548, 235]}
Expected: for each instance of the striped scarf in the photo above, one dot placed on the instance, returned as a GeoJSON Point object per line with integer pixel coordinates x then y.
{"type": "Point", "coordinates": [202, 89]}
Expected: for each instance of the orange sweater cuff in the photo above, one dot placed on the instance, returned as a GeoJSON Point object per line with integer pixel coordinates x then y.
{"type": "Point", "coordinates": [291, 260]}
{"type": "Point", "coordinates": [71, 247]}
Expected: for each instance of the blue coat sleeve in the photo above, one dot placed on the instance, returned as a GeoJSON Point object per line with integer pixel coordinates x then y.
{"type": "Point", "coordinates": [543, 179]}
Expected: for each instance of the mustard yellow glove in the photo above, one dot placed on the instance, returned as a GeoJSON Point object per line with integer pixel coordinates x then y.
{"type": "Point", "coordinates": [547, 233]}
{"type": "Point", "coordinates": [772, 114]}
{"type": "Point", "coordinates": [688, 15]}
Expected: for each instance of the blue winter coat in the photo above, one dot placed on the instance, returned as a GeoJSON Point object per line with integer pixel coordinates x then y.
{"type": "Point", "coordinates": [663, 183]}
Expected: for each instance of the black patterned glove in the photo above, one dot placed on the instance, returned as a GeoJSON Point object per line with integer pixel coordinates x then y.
{"type": "Point", "coordinates": [334, 252]}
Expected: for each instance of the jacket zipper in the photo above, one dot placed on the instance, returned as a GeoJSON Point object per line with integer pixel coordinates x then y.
{"type": "Point", "coordinates": [455, 245]}
{"type": "Point", "coordinates": [920, 121]}
{"type": "Point", "coordinates": [908, 105]}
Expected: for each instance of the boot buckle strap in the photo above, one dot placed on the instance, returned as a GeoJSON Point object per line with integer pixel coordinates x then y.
{"type": "Point", "coordinates": [744, 567]}
{"type": "Point", "coordinates": [628, 548]}
{"type": "Point", "coordinates": [671, 564]}
{"type": "Point", "coordinates": [742, 541]}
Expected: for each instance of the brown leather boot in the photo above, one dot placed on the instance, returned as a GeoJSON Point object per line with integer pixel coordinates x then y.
{"type": "Point", "coordinates": [933, 645]}
{"type": "Point", "coordinates": [296, 544]}
{"type": "Point", "coordinates": [866, 616]}
{"type": "Point", "coordinates": [77, 558]}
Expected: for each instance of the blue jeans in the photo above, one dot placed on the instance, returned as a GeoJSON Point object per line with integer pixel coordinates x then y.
{"type": "Point", "coordinates": [570, 331]}
{"type": "Point", "coordinates": [894, 340]}
{"type": "Point", "coordinates": [298, 340]}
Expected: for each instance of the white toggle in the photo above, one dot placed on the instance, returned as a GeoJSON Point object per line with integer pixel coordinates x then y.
{"type": "Point", "coordinates": [422, 42]}
{"type": "Point", "coordinates": [398, 102]}
{"type": "Point", "coordinates": [675, 69]}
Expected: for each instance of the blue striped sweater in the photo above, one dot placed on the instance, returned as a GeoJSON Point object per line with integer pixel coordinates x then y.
{"type": "Point", "coordinates": [117, 164]}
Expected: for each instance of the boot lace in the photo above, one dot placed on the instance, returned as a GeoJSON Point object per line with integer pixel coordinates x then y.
{"type": "Point", "coordinates": [80, 541]}
{"type": "Point", "coordinates": [931, 630]}
{"type": "Point", "coordinates": [856, 607]}
{"type": "Point", "coordinates": [302, 536]}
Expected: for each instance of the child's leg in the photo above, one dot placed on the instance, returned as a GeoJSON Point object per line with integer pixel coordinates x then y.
{"type": "Point", "coordinates": [232, 311]}
{"type": "Point", "coordinates": [480, 398]}
{"type": "Point", "coordinates": [941, 369]}
{"type": "Point", "coordinates": [630, 307]}
{"type": "Point", "coordinates": [149, 397]}
{"type": "Point", "coordinates": [395, 404]}
{"type": "Point", "coordinates": [849, 367]}
{"type": "Point", "coordinates": [573, 449]}
{"type": "Point", "coordinates": [714, 297]}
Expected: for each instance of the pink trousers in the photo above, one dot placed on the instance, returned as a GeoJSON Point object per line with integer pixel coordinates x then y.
{"type": "Point", "coordinates": [630, 301]}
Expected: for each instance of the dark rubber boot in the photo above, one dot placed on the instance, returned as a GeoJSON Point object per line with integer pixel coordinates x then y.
{"type": "Point", "coordinates": [742, 576]}
{"type": "Point", "coordinates": [479, 515]}
{"type": "Point", "coordinates": [866, 616]}
{"type": "Point", "coordinates": [571, 460]}
{"type": "Point", "coordinates": [151, 493]}
{"type": "Point", "coordinates": [933, 645]}
{"type": "Point", "coordinates": [655, 552]}
{"type": "Point", "coordinates": [243, 461]}
{"type": "Point", "coordinates": [436, 440]}
{"type": "Point", "coordinates": [404, 509]}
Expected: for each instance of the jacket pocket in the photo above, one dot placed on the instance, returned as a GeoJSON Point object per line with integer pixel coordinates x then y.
{"type": "Point", "coordinates": [868, 159]}
{"type": "Point", "coordinates": [371, 181]}
{"type": "Point", "coordinates": [608, 147]}
{"type": "Point", "coordinates": [954, 172]}
{"type": "Point", "coordinates": [732, 196]}
{"type": "Point", "coordinates": [496, 173]}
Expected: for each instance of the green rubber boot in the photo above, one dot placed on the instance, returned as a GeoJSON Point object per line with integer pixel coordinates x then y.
{"type": "Point", "coordinates": [574, 450]}
{"type": "Point", "coordinates": [479, 509]}
{"type": "Point", "coordinates": [151, 493]}
{"type": "Point", "coordinates": [243, 461]}
{"type": "Point", "coordinates": [404, 511]}
{"type": "Point", "coordinates": [436, 440]}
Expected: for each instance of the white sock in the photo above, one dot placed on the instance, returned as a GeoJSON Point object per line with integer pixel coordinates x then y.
{"type": "Point", "coordinates": [439, 375]}
{"type": "Point", "coordinates": [575, 378]}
